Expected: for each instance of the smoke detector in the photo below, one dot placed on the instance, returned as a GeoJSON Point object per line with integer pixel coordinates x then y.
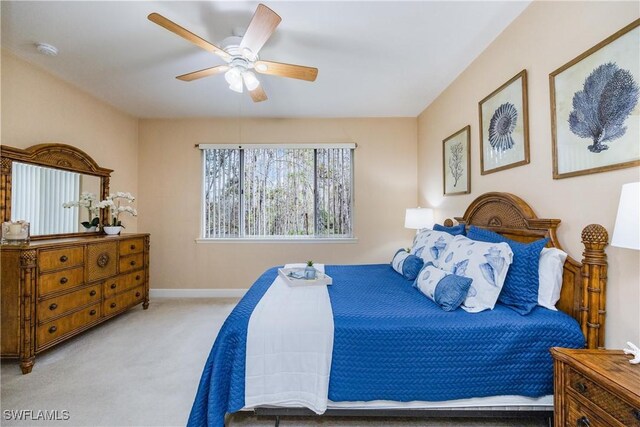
{"type": "Point", "coordinates": [47, 49]}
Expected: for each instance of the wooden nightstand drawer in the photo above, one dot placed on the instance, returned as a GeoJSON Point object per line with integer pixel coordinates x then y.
{"type": "Point", "coordinates": [595, 388]}
{"type": "Point", "coordinates": [59, 327]}
{"type": "Point", "coordinates": [131, 246]}
{"type": "Point", "coordinates": [52, 307]}
{"type": "Point", "coordinates": [131, 262]}
{"type": "Point", "coordinates": [610, 403]}
{"type": "Point", "coordinates": [580, 416]}
{"type": "Point", "coordinates": [60, 258]}
{"type": "Point", "coordinates": [60, 281]}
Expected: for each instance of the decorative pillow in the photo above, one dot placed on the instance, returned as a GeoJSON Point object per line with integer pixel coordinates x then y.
{"type": "Point", "coordinates": [486, 263]}
{"type": "Point", "coordinates": [445, 289]}
{"type": "Point", "coordinates": [406, 264]}
{"type": "Point", "coordinates": [456, 230]}
{"type": "Point", "coordinates": [550, 276]}
{"type": "Point", "coordinates": [430, 245]}
{"type": "Point", "coordinates": [520, 291]}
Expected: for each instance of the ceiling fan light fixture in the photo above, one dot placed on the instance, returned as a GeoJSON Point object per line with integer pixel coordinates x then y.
{"type": "Point", "coordinates": [233, 76]}
{"type": "Point", "coordinates": [236, 86]}
{"type": "Point", "coordinates": [250, 80]}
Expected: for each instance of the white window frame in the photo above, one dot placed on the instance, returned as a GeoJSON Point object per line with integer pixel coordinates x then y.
{"type": "Point", "coordinates": [276, 239]}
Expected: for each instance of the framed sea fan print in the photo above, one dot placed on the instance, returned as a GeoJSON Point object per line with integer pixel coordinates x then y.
{"type": "Point", "coordinates": [595, 113]}
{"type": "Point", "coordinates": [456, 154]}
{"type": "Point", "coordinates": [504, 126]}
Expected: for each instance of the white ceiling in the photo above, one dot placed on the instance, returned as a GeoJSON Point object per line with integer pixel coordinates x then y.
{"type": "Point", "coordinates": [375, 59]}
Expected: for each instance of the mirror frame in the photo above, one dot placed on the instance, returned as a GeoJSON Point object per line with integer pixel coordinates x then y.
{"type": "Point", "coordinates": [53, 155]}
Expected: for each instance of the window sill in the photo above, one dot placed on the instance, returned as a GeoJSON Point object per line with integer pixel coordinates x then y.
{"type": "Point", "coordinates": [280, 240]}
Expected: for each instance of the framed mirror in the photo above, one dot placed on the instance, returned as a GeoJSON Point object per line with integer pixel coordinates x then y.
{"type": "Point", "coordinates": [36, 183]}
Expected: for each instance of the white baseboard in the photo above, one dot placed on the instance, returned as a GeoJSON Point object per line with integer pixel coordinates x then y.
{"type": "Point", "coordinates": [197, 293]}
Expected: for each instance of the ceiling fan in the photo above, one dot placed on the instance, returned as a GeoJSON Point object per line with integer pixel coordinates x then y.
{"type": "Point", "coordinates": [241, 54]}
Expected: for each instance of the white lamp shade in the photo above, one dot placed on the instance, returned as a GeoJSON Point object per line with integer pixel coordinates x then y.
{"type": "Point", "coordinates": [418, 218]}
{"type": "Point", "coordinates": [626, 233]}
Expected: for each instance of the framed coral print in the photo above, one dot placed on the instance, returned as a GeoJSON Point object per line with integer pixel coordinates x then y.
{"type": "Point", "coordinates": [595, 114]}
{"type": "Point", "coordinates": [504, 126]}
{"type": "Point", "coordinates": [456, 163]}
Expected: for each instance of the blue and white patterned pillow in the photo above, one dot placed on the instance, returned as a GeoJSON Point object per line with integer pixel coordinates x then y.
{"type": "Point", "coordinates": [445, 289]}
{"type": "Point", "coordinates": [430, 245]}
{"type": "Point", "coordinates": [406, 264]}
{"type": "Point", "coordinates": [486, 263]}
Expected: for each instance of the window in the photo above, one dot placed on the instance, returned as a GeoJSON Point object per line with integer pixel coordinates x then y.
{"type": "Point", "coordinates": [284, 191]}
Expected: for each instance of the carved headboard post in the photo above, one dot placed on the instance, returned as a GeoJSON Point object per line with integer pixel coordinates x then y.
{"type": "Point", "coordinates": [594, 284]}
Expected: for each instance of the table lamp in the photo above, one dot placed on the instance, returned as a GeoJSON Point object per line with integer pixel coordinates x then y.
{"type": "Point", "coordinates": [419, 218]}
{"type": "Point", "coordinates": [626, 234]}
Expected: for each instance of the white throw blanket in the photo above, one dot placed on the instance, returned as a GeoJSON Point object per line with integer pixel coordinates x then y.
{"type": "Point", "coordinates": [289, 347]}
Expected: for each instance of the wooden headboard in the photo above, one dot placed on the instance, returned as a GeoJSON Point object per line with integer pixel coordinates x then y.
{"type": "Point", "coordinates": [584, 284]}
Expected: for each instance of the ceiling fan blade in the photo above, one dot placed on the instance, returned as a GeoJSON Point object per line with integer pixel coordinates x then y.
{"type": "Point", "coordinates": [287, 70]}
{"type": "Point", "coordinates": [258, 94]}
{"type": "Point", "coordinates": [203, 73]}
{"type": "Point", "coordinates": [187, 35]}
{"type": "Point", "coordinates": [262, 25]}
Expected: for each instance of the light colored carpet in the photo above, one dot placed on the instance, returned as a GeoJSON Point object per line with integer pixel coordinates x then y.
{"type": "Point", "coordinates": [142, 369]}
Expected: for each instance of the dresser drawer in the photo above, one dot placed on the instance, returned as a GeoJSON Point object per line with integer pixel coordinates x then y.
{"type": "Point", "coordinates": [55, 259]}
{"type": "Point", "coordinates": [611, 404]}
{"type": "Point", "coordinates": [59, 327]}
{"type": "Point", "coordinates": [579, 415]}
{"type": "Point", "coordinates": [123, 300]}
{"type": "Point", "coordinates": [101, 260]}
{"type": "Point", "coordinates": [56, 306]}
{"type": "Point", "coordinates": [131, 246]}
{"type": "Point", "coordinates": [122, 283]}
{"type": "Point", "coordinates": [60, 281]}
{"type": "Point", "coordinates": [131, 262]}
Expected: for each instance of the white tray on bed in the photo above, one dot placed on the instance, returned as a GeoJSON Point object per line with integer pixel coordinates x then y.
{"type": "Point", "coordinates": [320, 280]}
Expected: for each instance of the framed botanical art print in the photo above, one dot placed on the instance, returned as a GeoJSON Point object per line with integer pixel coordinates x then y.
{"type": "Point", "coordinates": [504, 126]}
{"type": "Point", "coordinates": [595, 114]}
{"type": "Point", "coordinates": [456, 154]}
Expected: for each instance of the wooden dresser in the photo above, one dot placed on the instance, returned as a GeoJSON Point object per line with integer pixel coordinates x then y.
{"type": "Point", "coordinates": [595, 388]}
{"type": "Point", "coordinates": [54, 289]}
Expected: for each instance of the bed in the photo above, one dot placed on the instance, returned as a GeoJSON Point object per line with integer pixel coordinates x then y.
{"type": "Point", "coordinates": [394, 354]}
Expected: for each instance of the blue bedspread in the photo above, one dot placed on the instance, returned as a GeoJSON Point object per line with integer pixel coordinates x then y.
{"type": "Point", "coordinates": [392, 343]}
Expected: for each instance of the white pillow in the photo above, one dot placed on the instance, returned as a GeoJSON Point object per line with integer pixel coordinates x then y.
{"type": "Point", "coordinates": [550, 277]}
{"type": "Point", "coordinates": [430, 245]}
{"type": "Point", "coordinates": [486, 263]}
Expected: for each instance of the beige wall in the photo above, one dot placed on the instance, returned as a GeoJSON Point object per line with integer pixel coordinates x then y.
{"type": "Point", "coordinates": [38, 107]}
{"type": "Point", "coordinates": [544, 37]}
{"type": "Point", "coordinates": [170, 199]}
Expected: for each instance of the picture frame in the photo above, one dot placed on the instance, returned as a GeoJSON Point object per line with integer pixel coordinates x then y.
{"type": "Point", "coordinates": [456, 163]}
{"type": "Point", "coordinates": [604, 80]}
{"type": "Point", "coordinates": [504, 126]}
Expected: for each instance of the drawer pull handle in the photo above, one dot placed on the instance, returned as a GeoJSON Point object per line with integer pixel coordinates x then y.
{"type": "Point", "coordinates": [92, 313]}
{"type": "Point", "coordinates": [92, 293]}
{"type": "Point", "coordinates": [138, 277]}
{"type": "Point", "coordinates": [583, 422]}
{"type": "Point", "coordinates": [636, 413]}
{"type": "Point", "coordinates": [53, 306]}
{"type": "Point", "coordinates": [113, 286]}
{"type": "Point", "coordinates": [52, 329]}
{"type": "Point", "coordinates": [132, 263]}
{"type": "Point", "coordinates": [113, 305]}
{"type": "Point", "coordinates": [581, 387]}
{"type": "Point", "coordinates": [63, 258]}
{"type": "Point", "coordinates": [63, 280]}
{"type": "Point", "coordinates": [137, 294]}
{"type": "Point", "coordinates": [132, 247]}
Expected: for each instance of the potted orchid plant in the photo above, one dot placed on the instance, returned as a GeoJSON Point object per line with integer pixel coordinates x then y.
{"type": "Point", "coordinates": [117, 204]}
{"type": "Point", "coordinates": [88, 201]}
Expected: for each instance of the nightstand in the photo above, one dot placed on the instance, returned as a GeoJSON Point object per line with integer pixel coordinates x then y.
{"type": "Point", "coordinates": [595, 388]}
